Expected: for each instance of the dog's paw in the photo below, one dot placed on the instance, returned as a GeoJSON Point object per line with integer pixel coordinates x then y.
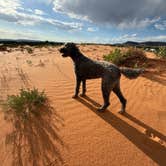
{"type": "Point", "coordinates": [82, 94]}
{"type": "Point", "coordinates": [104, 107]}
{"type": "Point", "coordinates": [101, 109]}
{"type": "Point", "coordinates": [75, 96]}
{"type": "Point", "coordinates": [122, 111]}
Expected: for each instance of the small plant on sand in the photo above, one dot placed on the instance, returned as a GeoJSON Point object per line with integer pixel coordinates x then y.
{"type": "Point", "coordinates": [26, 102]}
{"type": "Point", "coordinates": [162, 52]}
{"type": "Point", "coordinates": [29, 62]}
{"type": "Point", "coordinates": [115, 56]}
{"type": "Point", "coordinates": [29, 50]}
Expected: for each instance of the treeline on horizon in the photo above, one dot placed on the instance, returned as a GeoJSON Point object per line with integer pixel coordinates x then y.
{"type": "Point", "coordinates": [16, 43]}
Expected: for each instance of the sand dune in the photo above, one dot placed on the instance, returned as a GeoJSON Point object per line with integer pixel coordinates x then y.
{"type": "Point", "coordinates": [74, 133]}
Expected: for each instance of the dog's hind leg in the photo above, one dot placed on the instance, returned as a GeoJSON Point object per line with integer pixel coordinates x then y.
{"type": "Point", "coordinates": [119, 94]}
{"type": "Point", "coordinates": [107, 86]}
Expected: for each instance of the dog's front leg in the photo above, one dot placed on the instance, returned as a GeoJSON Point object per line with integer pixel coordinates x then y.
{"type": "Point", "coordinates": [83, 87]}
{"type": "Point", "coordinates": [78, 82]}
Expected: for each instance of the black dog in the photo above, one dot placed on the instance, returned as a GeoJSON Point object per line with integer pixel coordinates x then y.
{"type": "Point", "coordinates": [86, 68]}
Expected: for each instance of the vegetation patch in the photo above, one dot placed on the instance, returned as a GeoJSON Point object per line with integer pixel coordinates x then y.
{"type": "Point", "coordinates": [29, 62]}
{"type": "Point", "coordinates": [132, 57]}
{"type": "Point", "coordinates": [29, 50]}
{"type": "Point", "coordinates": [3, 48]}
{"type": "Point", "coordinates": [115, 56]}
{"type": "Point", "coordinates": [162, 52]}
{"type": "Point", "coordinates": [27, 102]}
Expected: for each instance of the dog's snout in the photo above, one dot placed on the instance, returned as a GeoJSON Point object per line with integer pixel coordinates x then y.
{"type": "Point", "coordinates": [61, 50]}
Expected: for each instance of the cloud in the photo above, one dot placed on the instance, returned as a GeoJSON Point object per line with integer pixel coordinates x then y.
{"type": "Point", "coordinates": [38, 12]}
{"type": "Point", "coordinates": [12, 11]}
{"type": "Point", "coordinates": [124, 38]}
{"type": "Point", "coordinates": [46, 2]}
{"type": "Point", "coordinates": [128, 37]}
{"type": "Point", "coordinates": [92, 29]}
{"type": "Point", "coordinates": [135, 37]}
{"type": "Point", "coordinates": [16, 34]}
{"type": "Point", "coordinates": [10, 5]}
{"type": "Point", "coordinates": [138, 23]}
{"type": "Point", "coordinates": [161, 26]}
{"type": "Point", "coordinates": [124, 14]}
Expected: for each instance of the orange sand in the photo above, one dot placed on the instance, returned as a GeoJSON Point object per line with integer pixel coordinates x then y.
{"type": "Point", "coordinates": [74, 133]}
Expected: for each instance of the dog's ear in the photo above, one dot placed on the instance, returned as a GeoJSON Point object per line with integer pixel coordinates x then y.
{"type": "Point", "coordinates": [71, 45]}
{"type": "Point", "coordinates": [73, 48]}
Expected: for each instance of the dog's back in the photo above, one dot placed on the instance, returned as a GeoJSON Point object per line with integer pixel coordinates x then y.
{"type": "Point", "coordinates": [90, 69]}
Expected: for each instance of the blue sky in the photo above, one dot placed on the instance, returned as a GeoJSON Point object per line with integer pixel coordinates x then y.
{"type": "Point", "coordinates": [106, 21]}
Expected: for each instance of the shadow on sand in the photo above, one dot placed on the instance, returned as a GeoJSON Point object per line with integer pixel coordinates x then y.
{"type": "Point", "coordinates": [157, 75]}
{"type": "Point", "coordinates": [35, 140]}
{"type": "Point", "coordinates": [155, 150]}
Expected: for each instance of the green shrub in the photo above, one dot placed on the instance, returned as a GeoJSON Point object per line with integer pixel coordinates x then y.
{"type": "Point", "coordinates": [29, 62]}
{"type": "Point", "coordinates": [132, 57]}
{"type": "Point", "coordinates": [29, 50]}
{"type": "Point", "coordinates": [26, 102]}
{"type": "Point", "coordinates": [162, 52]}
{"type": "Point", "coordinates": [134, 52]}
{"type": "Point", "coordinates": [115, 56]}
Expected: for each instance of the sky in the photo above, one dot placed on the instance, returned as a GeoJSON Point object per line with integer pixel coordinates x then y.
{"type": "Point", "coordinates": [96, 21]}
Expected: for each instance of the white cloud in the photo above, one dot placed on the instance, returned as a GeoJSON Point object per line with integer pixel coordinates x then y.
{"type": "Point", "coordinates": [124, 38]}
{"type": "Point", "coordinates": [47, 2]}
{"type": "Point", "coordinates": [9, 11]}
{"type": "Point", "coordinates": [155, 38]}
{"type": "Point", "coordinates": [16, 34]}
{"type": "Point", "coordinates": [135, 37]}
{"type": "Point", "coordinates": [161, 26]}
{"type": "Point", "coordinates": [38, 12]}
{"type": "Point", "coordinates": [138, 24]}
{"type": "Point", "coordinates": [10, 5]}
{"type": "Point", "coordinates": [92, 29]}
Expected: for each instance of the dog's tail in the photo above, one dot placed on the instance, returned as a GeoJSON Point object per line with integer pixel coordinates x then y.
{"type": "Point", "coordinates": [131, 73]}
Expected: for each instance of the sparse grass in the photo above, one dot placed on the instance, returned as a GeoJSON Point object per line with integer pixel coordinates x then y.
{"type": "Point", "coordinates": [132, 57]}
{"type": "Point", "coordinates": [29, 62]}
{"type": "Point", "coordinates": [162, 52]}
{"type": "Point", "coordinates": [29, 50]}
{"type": "Point", "coordinates": [26, 102]}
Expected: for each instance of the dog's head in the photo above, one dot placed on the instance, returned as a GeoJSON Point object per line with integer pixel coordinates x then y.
{"type": "Point", "coordinates": [69, 49]}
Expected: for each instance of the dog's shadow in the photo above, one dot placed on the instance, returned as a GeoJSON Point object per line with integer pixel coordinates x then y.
{"type": "Point", "coordinates": [144, 141]}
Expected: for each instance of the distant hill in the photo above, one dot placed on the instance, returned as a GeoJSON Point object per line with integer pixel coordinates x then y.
{"type": "Point", "coordinates": [142, 44]}
{"type": "Point", "coordinates": [38, 42]}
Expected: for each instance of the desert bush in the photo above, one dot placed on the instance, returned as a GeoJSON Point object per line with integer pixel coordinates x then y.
{"type": "Point", "coordinates": [29, 50]}
{"type": "Point", "coordinates": [3, 48]}
{"type": "Point", "coordinates": [134, 52]}
{"type": "Point", "coordinates": [162, 52]}
{"type": "Point", "coordinates": [29, 62]}
{"type": "Point", "coordinates": [114, 56]}
{"type": "Point", "coordinates": [26, 102]}
{"type": "Point", "coordinates": [132, 57]}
